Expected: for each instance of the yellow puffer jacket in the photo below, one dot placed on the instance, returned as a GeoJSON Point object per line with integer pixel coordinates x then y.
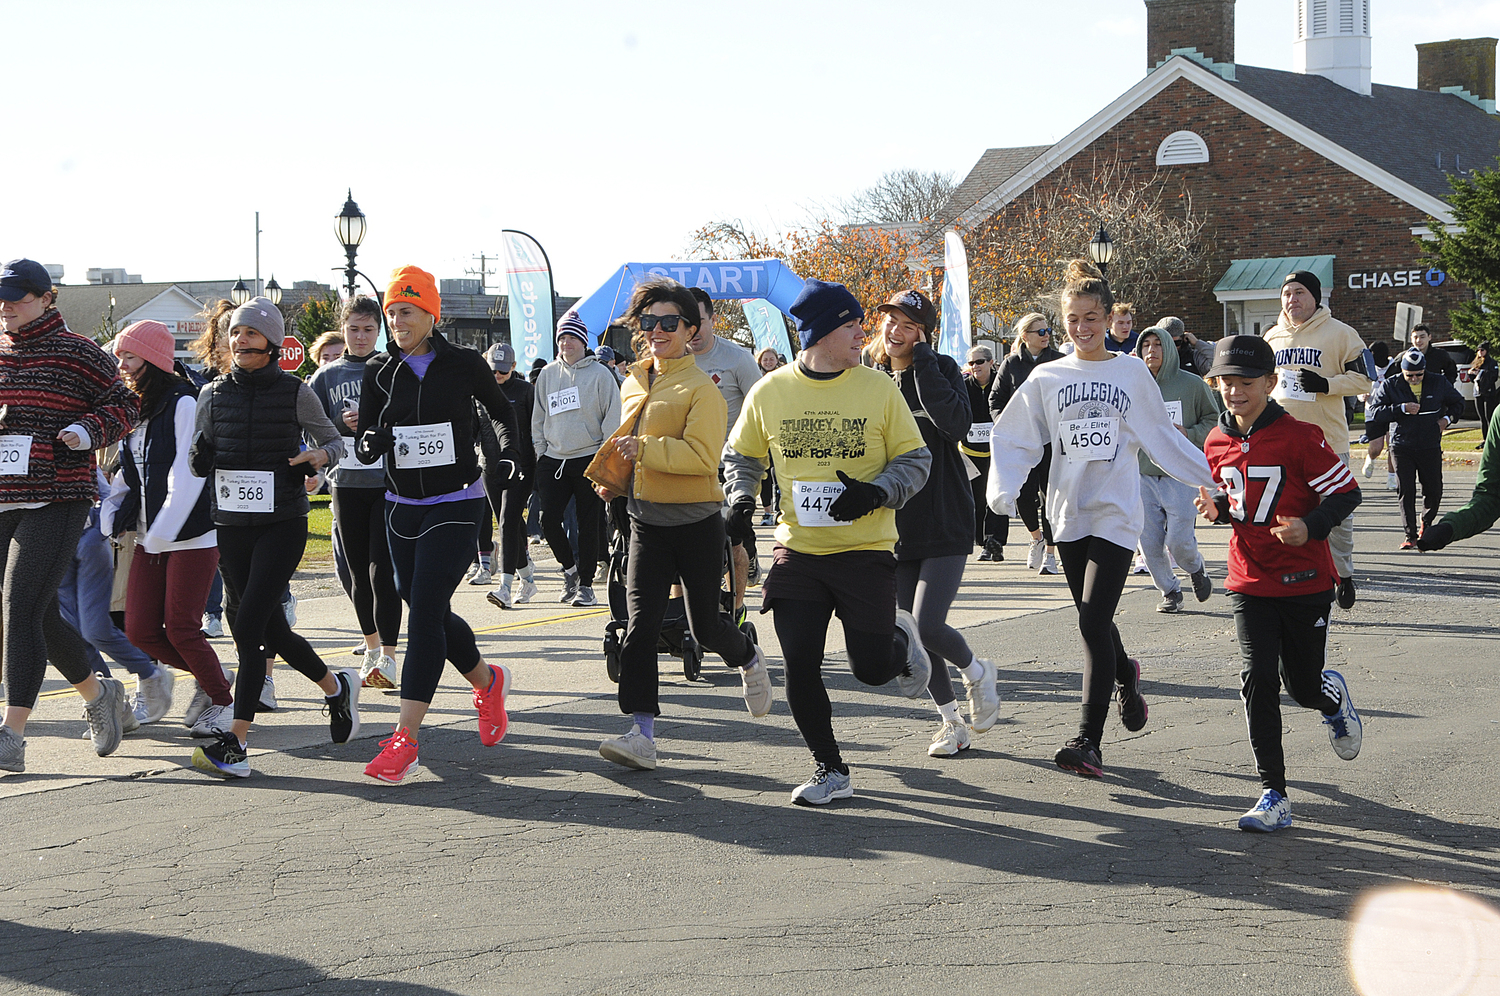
{"type": "Point", "coordinates": [682, 424]}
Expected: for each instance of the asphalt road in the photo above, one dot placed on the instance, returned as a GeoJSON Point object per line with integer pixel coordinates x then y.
{"type": "Point", "coordinates": [538, 867]}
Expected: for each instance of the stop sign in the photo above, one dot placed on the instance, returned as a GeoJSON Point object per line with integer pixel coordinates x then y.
{"type": "Point", "coordinates": [292, 353]}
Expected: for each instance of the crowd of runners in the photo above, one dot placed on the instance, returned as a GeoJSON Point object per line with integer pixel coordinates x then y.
{"type": "Point", "coordinates": [141, 500]}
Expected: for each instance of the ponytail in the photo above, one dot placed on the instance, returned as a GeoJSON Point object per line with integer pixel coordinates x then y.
{"type": "Point", "coordinates": [1083, 279]}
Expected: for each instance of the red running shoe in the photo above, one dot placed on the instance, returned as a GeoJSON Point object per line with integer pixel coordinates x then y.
{"type": "Point", "coordinates": [397, 760]}
{"type": "Point", "coordinates": [490, 705]}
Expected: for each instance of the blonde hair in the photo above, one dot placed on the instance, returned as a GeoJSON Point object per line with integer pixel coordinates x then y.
{"type": "Point", "coordinates": [322, 341]}
{"type": "Point", "coordinates": [1083, 279]}
{"type": "Point", "coordinates": [211, 350]}
{"type": "Point", "coordinates": [1022, 324]}
{"type": "Point", "coordinates": [1122, 308]}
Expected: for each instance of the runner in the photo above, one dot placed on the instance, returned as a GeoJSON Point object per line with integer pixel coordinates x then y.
{"type": "Point", "coordinates": [1122, 337]}
{"type": "Point", "coordinates": [1097, 409]}
{"type": "Point", "coordinates": [990, 530]}
{"type": "Point", "coordinates": [847, 453]}
{"type": "Point", "coordinates": [933, 525]}
{"type": "Point", "coordinates": [1032, 346]}
{"type": "Point", "coordinates": [357, 498]}
{"type": "Point", "coordinates": [664, 459]}
{"type": "Point", "coordinates": [1483, 507]}
{"type": "Point", "coordinates": [577, 407]}
{"type": "Point", "coordinates": [1375, 430]}
{"type": "Point", "coordinates": [60, 399]}
{"type": "Point", "coordinates": [177, 551]}
{"type": "Point", "coordinates": [416, 413]}
{"type": "Point", "coordinates": [1322, 361]}
{"type": "Point", "coordinates": [1168, 505]}
{"type": "Point", "coordinates": [249, 428]}
{"type": "Point", "coordinates": [1282, 489]}
{"type": "Point", "coordinates": [768, 360]}
{"type": "Point", "coordinates": [1418, 407]}
{"type": "Point", "coordinates": [512, 502]}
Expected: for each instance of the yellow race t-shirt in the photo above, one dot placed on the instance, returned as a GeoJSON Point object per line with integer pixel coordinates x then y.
{"type": "Point", "coordinates": [856, 422]}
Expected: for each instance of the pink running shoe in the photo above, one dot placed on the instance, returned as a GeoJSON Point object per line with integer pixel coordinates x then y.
{"type": "Point", "coordinates": [397, 759]}
{"type": "Point", "coordinates": [490, 704]}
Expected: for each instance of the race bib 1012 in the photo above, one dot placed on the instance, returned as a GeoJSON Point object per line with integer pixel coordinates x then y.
{"type": "Point", "coordinates": [565, 400]}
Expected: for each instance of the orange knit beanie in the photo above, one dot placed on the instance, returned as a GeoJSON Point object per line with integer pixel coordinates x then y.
{"type": "Point", "coordinates": [416, 287]}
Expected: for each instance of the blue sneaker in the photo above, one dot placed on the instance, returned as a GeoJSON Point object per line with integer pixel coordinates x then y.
{"type": "Point", "coordinates": [826, 785]}
{"type": "Point", "coordinates": [1273, 812]}
{"type": "Point", "coordinates": [1345, 729]}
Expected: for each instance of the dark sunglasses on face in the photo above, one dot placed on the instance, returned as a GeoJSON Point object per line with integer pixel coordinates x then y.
{"type": "Point", "coordinates": [978, 363]}
{"type": "Point", "coordinates": [1038, 331]}
{"type": "Point", "coordinates": [668, 323]}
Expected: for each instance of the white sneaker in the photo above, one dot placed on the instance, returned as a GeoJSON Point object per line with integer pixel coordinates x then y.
{"type": "Point", "coordinates": [153, 695]}
{"type": "Point", "coordinates": [1139, 567]}
{"type": "Point", "coordinates": [913, 680]}
{"type": "Point", "coordinates": [196, 705]}
{"type": "Point", "coordinates": [984, 698]}
{"type": "Point", "coordinates": [481, 575]}
{"type": "Point", "coordinates": [469, 574]}
{"type": "Point", "coordinates": [1368, 468]}
{"type": "Point", "coordinates": [268, 694]}
{"type": "Point", "coordinates": [1391, 482]}
{"type": "Point", "coordinates": [290, 608]}
{"type": "Point", "coordinates": [500, 597]}
{"type": "Point", "coordinates": [528, 589]}
{"type": "Point", "coordinates": [214, 722]}
{"type": "Point", "coordinates": [759, 693]}
{"type": "Point", "coordinates": [633, 750]}
{"type": "Point", "coordinates": [377, 670]}
{"type": "Point", "coordinates": [1049, 563]}
{"type": "Point", "coordinates": [212, 627]}
{"type": "Point", "coordinates": [951, 738]}
{"type": "Point", "coordinates": [1034, 554]}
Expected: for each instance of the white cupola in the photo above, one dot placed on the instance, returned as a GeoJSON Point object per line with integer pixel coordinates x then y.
{"type": "Point", "coordinates": [1333, 40]}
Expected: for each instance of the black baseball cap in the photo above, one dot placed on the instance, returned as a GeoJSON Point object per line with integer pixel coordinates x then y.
{"type": "Point", "coordinates": [1242, 356]}
{"type": "Point", "coordinates": [21, 277]}
{"type": "Point", "coordinates": [914, 305]}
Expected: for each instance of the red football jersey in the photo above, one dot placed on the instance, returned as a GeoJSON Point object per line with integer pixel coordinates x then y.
{"type": "Point", "coordinates": [1285, 468]}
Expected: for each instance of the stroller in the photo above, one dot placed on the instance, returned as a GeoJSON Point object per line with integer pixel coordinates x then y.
{"type": "Point", "coordinates": [675, 639]}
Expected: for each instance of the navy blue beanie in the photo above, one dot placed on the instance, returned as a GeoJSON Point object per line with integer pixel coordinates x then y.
{"type": "Point", "coordinates": [1413, 360]}
{"type": "Point", "coordinates": [823, 307]}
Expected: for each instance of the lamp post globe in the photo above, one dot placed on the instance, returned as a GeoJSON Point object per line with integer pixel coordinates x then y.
{"type": "Point", "coordinates": [239, 293]}
{"type": "Point", "coordinates": [1102, 250]}
{"type": "Point", "coordinates": [350, 227]}
{"type": "Point", "coordinates": [273, 291]}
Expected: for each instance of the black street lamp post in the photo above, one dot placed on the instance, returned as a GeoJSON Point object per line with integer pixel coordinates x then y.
{"type": "Point", "coordinates": [351, 232]}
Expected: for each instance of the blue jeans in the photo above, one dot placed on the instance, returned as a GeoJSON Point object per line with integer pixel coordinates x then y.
{"type": "Point", "coordinates": [83, 600]}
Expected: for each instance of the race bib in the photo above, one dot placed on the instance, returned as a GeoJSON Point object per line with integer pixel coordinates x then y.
{"type": "Point", "coordinates": [979, 432]}
{"type": "Point", "coordinates": [565, 400]}
{"type": "Point", "coordinates": [15, 456]}
{"type": "Point", "coordinates": [1090, 438]}
{"type": "Point", "coordinates": [246, 490]}
{"type": "Point", "coordinates": [812, 499]}
{"type": "Point", "coordinates": [1174, 409]}
{"type": "Point", "coordinates": [419, 446]}
{"type": "Point", "coordinates": [1289, 386]}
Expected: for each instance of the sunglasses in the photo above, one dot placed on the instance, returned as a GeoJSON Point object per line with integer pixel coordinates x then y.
{"type": "Point", "coordinates": [978, 363]}
{"type": "Point", "coordinates": [668, 323]}
{"type": "Point", "coordinates": [1038, 331]}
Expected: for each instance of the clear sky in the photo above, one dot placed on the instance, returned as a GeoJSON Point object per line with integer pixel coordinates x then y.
{"type": "Point", "coordinates": [146, 134]}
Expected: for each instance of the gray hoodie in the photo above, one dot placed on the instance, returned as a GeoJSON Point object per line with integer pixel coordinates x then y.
{"type": "Point", "coordinates": [576, 408]}
{"type": "Point", "coordinates": [1198, 413]}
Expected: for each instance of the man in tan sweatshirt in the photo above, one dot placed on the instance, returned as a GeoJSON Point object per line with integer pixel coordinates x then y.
{"type": "Point", "coordinates": [1320, 361]}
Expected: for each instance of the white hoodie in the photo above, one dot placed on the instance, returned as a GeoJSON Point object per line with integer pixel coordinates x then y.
{"type": "Point", "coordinates": [1105, 409]}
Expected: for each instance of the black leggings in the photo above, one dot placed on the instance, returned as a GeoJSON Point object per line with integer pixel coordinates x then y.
{"type": "Point", "coordinates": [257, 562]}
{"type": "Point", "coordinates": [1031, 503]}
{"type": "Point", "coordinates": [431, 547]}
{"type": "Point", "coordinates": [556, 482]}
{"type": "Point", "coordinates": [660, 555]}
{"type": "Point", "coordinates": [987, 525]}
{"type": "Point", "coordinates": [802, 628]}
{"type": "Point", "coordinates": [509, 507]}
{"type": "Point", "coordinates": [360, 514]}
{"type": "Point", "coordinates": [1285, 638]}
{"type": "Point", "coordinates": [1096, 570]}
{"type": "Point", "coordinates": [36, 549]}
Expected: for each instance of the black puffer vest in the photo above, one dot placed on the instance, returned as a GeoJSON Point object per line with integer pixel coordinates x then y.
{"type": "Point", "coordinates": [158, 453]}
{"type": "Point", "coordinates": [255, 428]}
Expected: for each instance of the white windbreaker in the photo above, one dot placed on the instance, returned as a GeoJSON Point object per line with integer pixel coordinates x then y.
{"type": "Point", "coordinates": [1097, 414]}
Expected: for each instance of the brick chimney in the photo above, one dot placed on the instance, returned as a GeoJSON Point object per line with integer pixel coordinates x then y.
{"type": "Point", "coordinates": [1207, 25]}
{"type": "Point", "coordinates": [1465, 62]}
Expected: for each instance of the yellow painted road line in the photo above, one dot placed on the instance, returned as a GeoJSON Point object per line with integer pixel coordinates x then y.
{"type": "Point", "coordinates": [503, 627]}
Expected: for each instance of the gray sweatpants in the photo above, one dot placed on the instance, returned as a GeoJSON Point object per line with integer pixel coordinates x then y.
{"type": "Point", "coordinates": [1170, 518]}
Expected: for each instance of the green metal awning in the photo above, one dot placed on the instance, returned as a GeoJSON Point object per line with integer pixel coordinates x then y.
{"type": "Point", "coordinates": [1255, 279]}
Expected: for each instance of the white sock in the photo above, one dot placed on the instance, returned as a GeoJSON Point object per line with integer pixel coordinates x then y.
{"type": "Point", "coordinates": [949, 712]}
{"type": "Point", "coordinates": [526, 572]}
{"type": "Point", "coordinates": [571, 572]}
{"type": "Point", "coordinates": [974, 670]}
{"type": "Point", "coordinates": [506, 579]}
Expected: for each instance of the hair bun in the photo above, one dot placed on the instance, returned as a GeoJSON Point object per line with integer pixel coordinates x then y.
{"type": "Point", "coordinates": [1080, 270]}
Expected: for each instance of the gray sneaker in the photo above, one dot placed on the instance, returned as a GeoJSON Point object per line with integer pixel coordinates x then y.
{"type": "Point", "coordinates": [1170, 602]}
{"type": "Point", "coordinates": [585, 598]}
{"type": "Point", "coordinates": [196, 705]}
{"type": "Point", "coordinates": [214, 721]}
{"type": "Point", "coordinates": [984, 697]}
{"type": "Point", "coordinates": [570, 588]}
{"type": "Point", "coordinates": [826, 785]}
{"type": "Point", "coordinates": [500, 597]}
{"type": "Point", "coordinates": [481, 575]}
{"type": "Point", "coordinates": [153, 695]}
{"type": "Point", "coordinates": [1202, 586]}
{"type": "Point", "coordinates": [633, 750]}
{"type": "Point", "coordinates": [12, 750]}
{"type": "Point", "coordinates": [106, 717]}
{"type": "Point", "coordinates": [913, 680]}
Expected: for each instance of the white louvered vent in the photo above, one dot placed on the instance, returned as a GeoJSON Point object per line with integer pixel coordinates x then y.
{"type": "Point", "coordinates": [1181, 148]}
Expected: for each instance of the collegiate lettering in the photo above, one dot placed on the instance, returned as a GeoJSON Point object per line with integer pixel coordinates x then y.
{"type": "Point", "coordinates": [1093, 390]}
{"type": "Point", "coordinates": [1305, 356]}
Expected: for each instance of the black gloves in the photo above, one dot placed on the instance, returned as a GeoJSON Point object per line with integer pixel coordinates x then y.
{"type": "Point", "coordinates": [201, 456]}
{"type": "Point", "coordinates": [739, 521]}
{"type": "Point", "coordinates": [857, 500]}
{"type": "Point", "coordinates": [1314, 382]}
{"type": "Point", "coordinates": [1435, 537]}
{"type": "Point", "coordinates": [375, 443]}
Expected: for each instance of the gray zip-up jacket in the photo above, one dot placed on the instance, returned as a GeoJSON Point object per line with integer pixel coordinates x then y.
{"type": "Point", "coordinates": [576, 408]}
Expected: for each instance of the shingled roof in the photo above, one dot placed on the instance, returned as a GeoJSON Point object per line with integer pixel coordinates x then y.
{"type": "Point", "coordinates": [994, 168]}
{"type": "Point", "coordinates": [1400, 130]}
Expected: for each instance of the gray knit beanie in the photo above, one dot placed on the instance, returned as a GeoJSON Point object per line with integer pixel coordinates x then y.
{"type": "Point", "coordinates": [261, 315]}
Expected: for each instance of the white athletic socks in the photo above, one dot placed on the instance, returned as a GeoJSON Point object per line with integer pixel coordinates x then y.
{"type": "Point", "coordinates": [949, 712]}
{"type": "Point", "coordinates": [973, 671]}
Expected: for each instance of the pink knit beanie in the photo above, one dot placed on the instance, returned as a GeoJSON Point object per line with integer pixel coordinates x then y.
{"type": "Point", "coordinates": [151, 341]}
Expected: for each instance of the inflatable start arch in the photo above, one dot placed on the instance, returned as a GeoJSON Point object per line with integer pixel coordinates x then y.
{"type": "Point", "coordinates": [720, 279]}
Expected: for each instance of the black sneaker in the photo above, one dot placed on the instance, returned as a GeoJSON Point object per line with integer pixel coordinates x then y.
{"type": "Point", "coordinates": [994, 549]}
{"type": "Point", "coordinates": [1132, 704]}
{"type": "Point", "coordinates": [1080, 757]}
{"type": "Point", "coordinates": [1202, 586]}
{"type": "Point", "coordinates": [1346, 593]}
{"type": "Point", "coordinates": [342, 709]}
{"type": "Point", "coordinates": [224, 757]}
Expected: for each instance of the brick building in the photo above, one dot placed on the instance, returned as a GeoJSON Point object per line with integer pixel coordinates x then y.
{"type": "Point", "coordinates": [1315, 169]}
